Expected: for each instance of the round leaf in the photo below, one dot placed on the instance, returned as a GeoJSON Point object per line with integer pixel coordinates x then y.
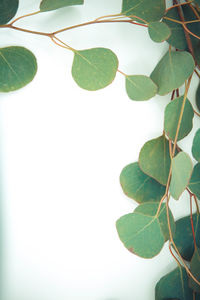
{"type": "Point", "coordinates": [194, 184]}
{"type": "Point", "coordinates": [47, 5]}
{"type": "Point", "coordinates": [159, 32]}
{"type": "Point", "coordinates": [140, 87]}
{"type": "Point", "coordinates": [172, 71]}
{"type": "Point", "coordinates": [196, 146]}
{"type": "Point", "coordinates": [95, 68]}
{"type": "Point", "coordinates": [140, 186]}
{"type": "Point", "coordinates": [18, 67]}
{"type": "Point", "coordinates": [8, 9]}
{"type": "Point", "coordinates": [172, 114]}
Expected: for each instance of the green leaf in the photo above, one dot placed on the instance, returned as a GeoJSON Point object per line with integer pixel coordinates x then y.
{"type": "Point", "coordinates": [181, 172]}
{"type": "Point", "coordinates": [148, 10]}
{"type": "Point", "coordinates": [172, 71]}
{"type": "Point", "coordinates": [159, 31]}
{"type": "Point", "coordinates": [194, 184]}
{"type": "Point", "coordinates": [183, 237]}
{"type": "Point", "coordinates": [174, 285]}
{"type": "Point", "coordinates": [8, 9]}
{"type": "Point", "coordinates": [47, 5]}
{"type": "Point", "coordinates": [154, 159]}
{"type": "Point", "coordinates": [195, 270]}
{"type": "Point", "coordinates": [196, 146]}
{"type": "Point", "coordinates": [142, 232]}
{"type": "Point", "coordinates": [18, 67]}
{"type": "Point", "coordinates": [198, 97]}
{"type": "Point", "coordinates": [140, 87]}
{"type": "Point", "coordinates": [95, 68]}
{"type": "Point", "coordinates": [140, 186]}
{"type": "Point", "coordinates": [172, 115]}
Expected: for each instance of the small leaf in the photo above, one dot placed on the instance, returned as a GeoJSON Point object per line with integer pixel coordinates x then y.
{"type": "Point", "coordinates": [95, 68]}
{"type": "Point", "coordinates": [47, 5]}
{"type": "Point", "coordinates": [154, 159]}
{"type": "Point", "coordinates": [174, 285]}
{"type": "Point", "coordinates": [172, 71]}
{"type": "Point", "coordinates": [196, 146]}
{"type": "Point", "coordinates": [183, 237]}
{"type": "Point", "coordinates": [148, 10]}
{"type": "Point", "coordinates": [140, 87]}
{"type": "Point", "coordinates": [194, 184]}
{"type": "Point", "coordinates": [142, 232]}
{"type": "Point", "coordinates": [172, 115]}
{"type": "Point", "coordinates": [140, 186]}
{"type": "Point", "coordinates": [198, 97]}
{"type": "Point", "coordinates": [181, 172]}
{"type": "Point", "coordinates": [18, 67]}
{"type": "Point", "coordinates": [159, 31]}
{"type": "Point", "coordinates": [195, 270]}
{"type": "Point", "coordinates": [8, 9]}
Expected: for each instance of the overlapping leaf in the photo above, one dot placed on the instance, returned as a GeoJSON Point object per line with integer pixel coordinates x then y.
{"type": "Point", "coordinates": [194, 184]}
{"type": "Point", "coordinates": [8, 9]}
{"type": "Point", "coordinates": [95, 68]}
{"type": "Point", "coordinates": [18, 67]}
{"type": "Point", "coordinates": [195, 270]}
{"type": "Point", "coordinates": [140, 186]}
{"type": "Point", "coordinates": [198, 97]}
{"type": "Point", "coordinates": [140, 87]}
{"type": "Point", "coordinates": [172, 115]}
{"type": "Point", "coordinates": [196, 146]}
{"type": "Point", "coordinates": [47, 5]}
{"type": "Point", "coordinates": [159, 31]}
{"type": "Point", "coordinates": [172, 71]}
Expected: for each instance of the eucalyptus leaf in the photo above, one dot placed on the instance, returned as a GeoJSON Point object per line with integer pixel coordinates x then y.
{"type": "Point", "coordinates": [172, 115]}
{"type": "Point", "coordinates": [172, 71]}
{"type": "Point", "coordinates": [8, 9]}
{"type": "Point", "coordinates": [195, 270]}
{"type": "Point", "coordinates": [140, 87]}
{"type": "Point", "coordinates": [47, 5]}
{"type": "Point", "coordinates": [94, 68]}
{"type": "Point", "coordinates": [196, 146]}
{"type": "Point", "coordinates": [181, 172]}
{"type": "Point", "coordinates": [198, 97]}
{"type": "Point", "coordinates": [140, 186]}
{"type": "Point", "coordinates": [159, 31]}
{"type": "Point", "coordinates": [194, 184]}
{"type": "Point", "coordinates": [154, 159]}
{"type": "Point", "coordinates": [18, 67]}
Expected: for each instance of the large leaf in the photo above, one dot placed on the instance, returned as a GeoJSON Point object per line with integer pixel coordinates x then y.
{"type": "Point", "coordinates": [195, 270]}
{"type": "Point", "coordinates": [8, 9]}
{"type": "Point", "coordinates": [148, 10]}
{"type": "Point", "coordinates": [95, 68]}
{"type": "Point", "coordinates": [196, 146]}
{"type": "Point", "coordinates": [47, 5]}
{"type": "Point", "coordinates": [172, 71]}
{"type": "Point", "coordinates": [140, 87]}
{"type": "Point", "coordinates": [154, 159]}
{"type": "Point", "coordinates": [159, 31]}
{"type": "Point", "coordinates": [172, 115]}
{"type": "Point", "coordinates": [183, 237]}
{"type": "Point", "coordinates": [140, 186]}
{"type": "Point", "coordinates": [181, 172]}
{"type": "Point", "coordinates": [174, 285]}
{"type": "Point", "coordinates": [18, 67]}
{"type": "Point", "coordinates": [142, 232]}
{"type": "Point", "coordinates": [198, 97]}
{"type": "Point", "coordinates": [194, 184]}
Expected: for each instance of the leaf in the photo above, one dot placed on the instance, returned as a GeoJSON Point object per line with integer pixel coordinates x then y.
{"type": "Point", "coordinates": [18, 67]}
{"type": "Point", "coordinates": [159, 31]}
{"type": "Point", "coordinates": [194, 184]}
{"type": "Point", "coordinates": [183, 237]}
{"type": "Point", "coordinates": [148, 10]}
{"type": "Point", "coordinates": [140, 186]}
{"type": "Point", "coordinates": [142, 232]}
{"type": "Point", "coordinates": [172, 71]}
{"type": "Point", "coordinates": [172, 115]}
{"type": "Point", "coordinates": [8, 9]}
{"type": "Point", "coordinates": [198, 97]}
{"type": "Point", "coordinates": [174, 285]}
{"type": "Point", "coordinates": [196, 146]}
{"type": "Point", "coordinates": [140, 87]}
{"type": "Point", "coordinates": [154, 159]}
{"type": "Point", "coordinates": [95, 68]}
{"type": "Point", "coordinates": [181, 172]}
{"type": "Point", "coordinates": [47, 5]}
{"type": "Point", "coordinates": [195, 270]}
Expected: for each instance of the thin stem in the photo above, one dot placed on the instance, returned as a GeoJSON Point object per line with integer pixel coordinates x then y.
{"type": "Point", "coordinates": [64, 44]}
{"type": "Point", "coordinates": [178, 4]}
{"type": "Point", "coordinates": [24, 16]}
{"type": "Point", "coordinates": [170, 249]}
{"type": "Point", "coordinates": [122, 73]}
{"type": "Point", "coordinates": [26, 30]}
{"type": "Point", "coordinates": [197, 73]}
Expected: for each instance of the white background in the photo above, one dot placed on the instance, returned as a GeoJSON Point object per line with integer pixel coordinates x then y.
{"type": "Point", "coordinates": [62, 151]}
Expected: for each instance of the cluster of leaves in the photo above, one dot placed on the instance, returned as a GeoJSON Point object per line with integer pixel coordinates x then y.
{"type": "Point", "coordinates": [163, 169]}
